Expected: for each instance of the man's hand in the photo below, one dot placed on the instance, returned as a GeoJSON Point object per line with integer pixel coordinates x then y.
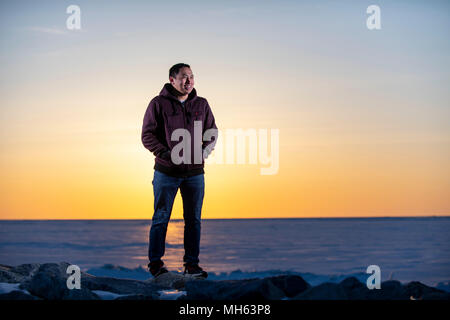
{"type": "Point", "coordinates": [165, 155]}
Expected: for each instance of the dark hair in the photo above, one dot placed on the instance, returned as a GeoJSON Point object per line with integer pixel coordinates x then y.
{"type": "Point", "coordinates": [176, 68]}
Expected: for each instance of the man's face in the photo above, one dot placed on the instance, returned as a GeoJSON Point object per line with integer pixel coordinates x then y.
{"type": "Point", "coordinates": [184, 81]}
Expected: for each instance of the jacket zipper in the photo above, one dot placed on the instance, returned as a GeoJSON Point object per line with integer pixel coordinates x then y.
{"type": "Point", "coordinates": [185, 126]}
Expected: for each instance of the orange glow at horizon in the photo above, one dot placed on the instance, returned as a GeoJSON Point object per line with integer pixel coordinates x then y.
{"type": "Point", "coordinates": [312, 181]}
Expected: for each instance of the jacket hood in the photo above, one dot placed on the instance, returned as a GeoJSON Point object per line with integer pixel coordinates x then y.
{"type": "Point", "coordinates": [171, 93]}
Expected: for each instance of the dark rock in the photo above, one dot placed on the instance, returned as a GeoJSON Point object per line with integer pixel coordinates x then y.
{"type": "Point", "coordinates": [354, 289]}
{"type": "Point", "coordinates": [251, 289]}
{"type": "Point", "coordinates": [50, 282]}
{"type": "Point", "coordinates": [291, 285]}
{"type": "Point", "coordinates": [351, 283]}
{"type": "Point", "coordinates": [139, 297]}
{"type": "Point", "coordinates": [120, 286]}
{"type": "Point", "coordinates": [390, 290]}
{"type": "Point", "coordinates": [418, 291]}
{"type": "Point", "coordinates": [173, 280]}
{"type": "Point", "coordinates": [17, 274]}
{"type": "Point", "coordinates": [324, 291]}
{"type": "Point", "coordinates": [17, 295]}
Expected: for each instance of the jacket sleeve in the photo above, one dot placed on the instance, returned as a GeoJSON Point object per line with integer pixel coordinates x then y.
{"type": "Point", "coordinates": [149, 129]}
{"type": "Point", "coordinates": [210, 123]}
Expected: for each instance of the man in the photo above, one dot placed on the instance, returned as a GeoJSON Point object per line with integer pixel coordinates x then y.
{"type": "Point", "coordinates": [177, 107]}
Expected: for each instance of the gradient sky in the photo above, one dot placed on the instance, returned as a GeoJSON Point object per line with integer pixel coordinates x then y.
{"type": "Point", "coordinates": [363, 115]}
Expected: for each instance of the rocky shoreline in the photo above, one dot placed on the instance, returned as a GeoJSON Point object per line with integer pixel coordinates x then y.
{"type": "Point", "coordinates": [49, 282]}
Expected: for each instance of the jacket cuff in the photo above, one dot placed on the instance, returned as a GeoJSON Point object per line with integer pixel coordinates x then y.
{"type": "Point", "coordinates": [165, 155]}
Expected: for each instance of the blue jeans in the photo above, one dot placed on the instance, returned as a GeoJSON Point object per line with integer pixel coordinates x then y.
{"type": "Point", "coordinates": [165, 189]}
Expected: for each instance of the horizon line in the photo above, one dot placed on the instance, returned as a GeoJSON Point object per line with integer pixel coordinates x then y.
{"type": "Point", "coordinates": [261, 218]}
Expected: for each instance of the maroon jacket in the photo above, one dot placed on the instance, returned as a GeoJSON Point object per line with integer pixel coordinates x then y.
{"type": "Point", "coordinates": [164, 114]}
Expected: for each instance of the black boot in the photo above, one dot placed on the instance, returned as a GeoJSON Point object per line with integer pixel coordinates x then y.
{"type": "Point", "coordinates": [156, 268]}
{"type": "Point", "coordinates": [194, 270]}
